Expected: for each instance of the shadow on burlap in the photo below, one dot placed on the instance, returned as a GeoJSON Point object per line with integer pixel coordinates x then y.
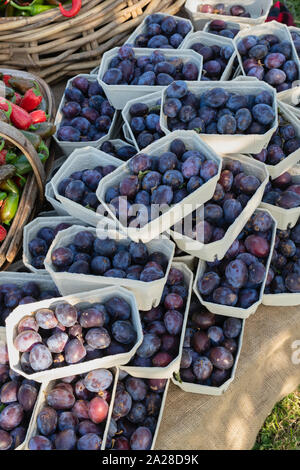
{"type": "Point", "coordinates": [264, 375]}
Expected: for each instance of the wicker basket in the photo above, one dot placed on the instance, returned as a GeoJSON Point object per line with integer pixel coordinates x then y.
{"type": "Point", "coordinates": [53, 46]}
{"type": "Point", "coordinates": [33, 191]}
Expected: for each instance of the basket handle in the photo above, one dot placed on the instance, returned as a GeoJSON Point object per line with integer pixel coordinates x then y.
{"type": "Point", "coordinates": [16, 137]}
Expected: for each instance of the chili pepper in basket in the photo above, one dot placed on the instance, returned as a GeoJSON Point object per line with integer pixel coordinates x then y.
{"type": "Point", "coordinates": [34, 139]}
{"type": "Point", "coordinates": [4, 117]}
{"type": "Point", "coordinates": [17, 115]}
{"type": "Point", "coordinates": [23, 166]}
{"type": "Point", "coordinates": [44, 129]}
{"type": "Point", "coordinates": [3, 233]}
{"type": "Point", "coordinates": [33, 9]}
{"type": "Point", "coordinates": [20, 84]}
{"type": "Point", "coordinates": [31, 99]}
{"type": "Point", "coordinates": [6, 79]}
{"type": "Point", "coordinates": [17, 99]}
{"type": "Point", "coordinates": [74, 10]}
{"type": "Point", "coordinates": [10, 205]}
{"type": "Point", "coordinates": [38, 116]}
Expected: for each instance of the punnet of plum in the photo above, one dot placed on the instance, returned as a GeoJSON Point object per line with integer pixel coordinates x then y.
{"type": "Point", "coordinates": [81, 259]}
{"type": "Point", "coordinates": [246, 13]}
{"type": "Point", "coordinates": [161, 31]}
{"type": "Point", "coordinates": [282, 198]}
{"type": "Point", "coordinates": [118, 148]}
{"type": "Point", "coordinates": [183, 257]}
{"type": "Point", "coordinates": [73, 412]}
{"type": "Point", "coordinates": [142, 120]}
{"type": "Point", "coordinates": [37, 238]}
{"type": "Point", "coordinates": [158, 187]}
{"type": "Point", "coordinates": [208, 232]}
{"type": "Point", "coordinates": [159, 354]}
{"type": "Point", "coordinates": [225, 29]}
{"type": "Point", "coordinates": [295, 33]}
{"type": "Point", "coordinates": [19, 289]}
{"type": "Point", "coordinates": [18, 398]}
{"type": "Point", "coordinates": [283, 150]}
{"type": "Point", "coordinates": [138, 406]}
{"type": "Point", "coordinates": [210, 351]}
{"type": "Point", "coordinates": [268, 53]}
{"type": "Point", "coordinates": [73, 334]}
{"type": "Point", "coordinates": [85, 116]}
{"type": "Point", "coordinates": [76, 182]}
{"type": "Point", "coordinates": [50, 196]}
{"type": "Point", "coordinates": [291, 100]}
{"type": "Point", "coordinates": [126, 73]}
{"type": "Point", "coordinates": [234, 286]}
{"type": "Point", "coordinates": [219, 55]}
{"type": "Point", "coordinates": [283, 281]}
{"type": "Point", "coordinates": [229, 117]}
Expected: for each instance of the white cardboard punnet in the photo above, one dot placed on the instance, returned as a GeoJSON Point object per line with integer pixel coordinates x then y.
{"type": "Point", "coordinates": [162, 223]}
{"type": "Point", "coordinates": [167, 372]}
{"type": "Point", "coordinates": [211, 251]}
{"type": "Point", "coordinates": [68, 147]}
{"type": "Point", "coordinates": [147, 294]}
{"type": "Point", "coordinates": [230, 144]}
{"type": "Point", "coordinates": [291, 99]}
{"type": "Point", "coordinates": [118, 95]}
{"type": "Point", "coordinates": [99, 295]}
{"type": "Point", "coordinates": [81, 159]}
{"type": "Point", "coordinates": [227, 310]}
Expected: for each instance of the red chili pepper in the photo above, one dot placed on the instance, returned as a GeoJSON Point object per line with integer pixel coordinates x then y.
{"type": "Point", "coordinates": [38, 116]}
{"type": "Point", "coordinates": [18, 98]}
{"type": "Point", "coordinates": [6, 78]}
{"type": "Point", "coordinates": [75, 8]}
{"type": "Point", "coordinates": [18, 116]}
{"type": "Point", "coordinates": [3, 157]}
{"type": "Point", "coordinates": [3, 233]}
{"type": "Point", "coordinates": [31, 99]}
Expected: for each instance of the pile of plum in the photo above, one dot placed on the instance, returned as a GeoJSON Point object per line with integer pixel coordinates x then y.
{"type": "Point", "coordinates": [283, 142]}
{"type": "Point", "coordinates": [12, 295]}
{"type": "Point", "coordinates": [75, 413]}
{"type": "Point", "coordinates": [125, 152]}
{"type": "Point", "coordinates": [221, 28]}
{"type": "Point", "coordinates": [109, 258]}
{"type": "Point", "coordinates": [215, 59]}
{"type": "Point", "coordinates": [296, 41]}
{"type": "Point", "coordinates": [233, 192]}
{"type": "Point", "coordinates": [209, 348]}
{"type": "Point", "coordinates": [284, 273]}
{"type": "Point", "coordinates": [282, 192]}
{"type": "Point", "coordinates": [236, 280]}
{"type": "Point", "coordinates": [159, 181]}
{"type": "Point", "coordinates": [38, 246]}
{"type": "Point", "coordinates": [162, 32]}
{"type": "Point", "coordinates": [144, 123]}
{"type": "Point", "coordinates": [268, 58]}
{"type": "Point", "coordinates": [162, 325]}
{"type": "Point", "coordinates": [81, 186]}
{"type": "Point", "coordinates": [87, 114]}
{"type": "Point", "coordinates": [65, 334]}
{"type": "Point", "coordinates": [152, 69]}
{"type": "Point", "coordinates": [17, 399]}
{"type": "Point", "coordinates": [221, 9]}
{"type": "Point", "coordinates": [135, 413]}
{"type": "Point", "coordinates": [217, 111]}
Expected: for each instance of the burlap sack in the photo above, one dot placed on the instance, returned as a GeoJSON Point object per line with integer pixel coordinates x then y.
{"type": "Point", "coordinates": [264, 375]}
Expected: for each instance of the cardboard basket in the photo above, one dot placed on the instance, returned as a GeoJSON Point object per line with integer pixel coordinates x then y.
{"type": "Point", "coordinates": [238, 143]}
{"type": "Point", "coordinates": [167, 372]}
{"type": "Point", "coordinates": [210, 390]}
{"type": "Point", "coordinates": [81, 159]}
{"type": "Point", "coordinates": [231, 23]}
{"type": "Point", "coordinates": [291, 99]}
{"type": "Point", "coordinates": [147, 294]}
{"type": "Point", "coordinates": [68, 147]}
{"type": "Point", "coordinates": [258, 10]}
{"type": "Point", "coordinates": [189, 260]}
{"type": "Point", "coordinates": [141, 29]}
{"type": "Point", "coordinates": [30, 232]}
{"type": "Point", "coordinates": [176, 212]}
{"type": "Point", "coordinates": [85, 298]}
{"type": "Point", "coordinates": [149, 100]}
{"type": "Point", "coordinates": [211, 251]}
{"type": "Point", "coordinates": [209, 39]}
{"type": "Point", "coordinates": [118, 95]}
{"type": "Point", "coordinates": [227, 310]}
{"type": "Point", "coordinates": [46, 387]}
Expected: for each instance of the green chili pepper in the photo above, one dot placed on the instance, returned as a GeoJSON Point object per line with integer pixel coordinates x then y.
{"type": "Point", "coordinates": [2, 144]}
{"type": "Point", "coordinates": [43, 149]}
{"type": "Point", "coordinates": [33, 9]}
{"type": "Point", "coordinates": [23, 166]}
{"type": "Point", "coordinates": [34, 139]}
{"type": "Point", "coordinates": [4, 117]}
{"type": "Point", "coordinates": [10, 205]}
{"type": "Point", "coordinates": [10, 157]}
{"type": "Point", "coordinates": [44, 129]}
{"type": "Point", "coordinates": [3, 195]}
{"type": "Point", "coordinates": [21, 84]}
